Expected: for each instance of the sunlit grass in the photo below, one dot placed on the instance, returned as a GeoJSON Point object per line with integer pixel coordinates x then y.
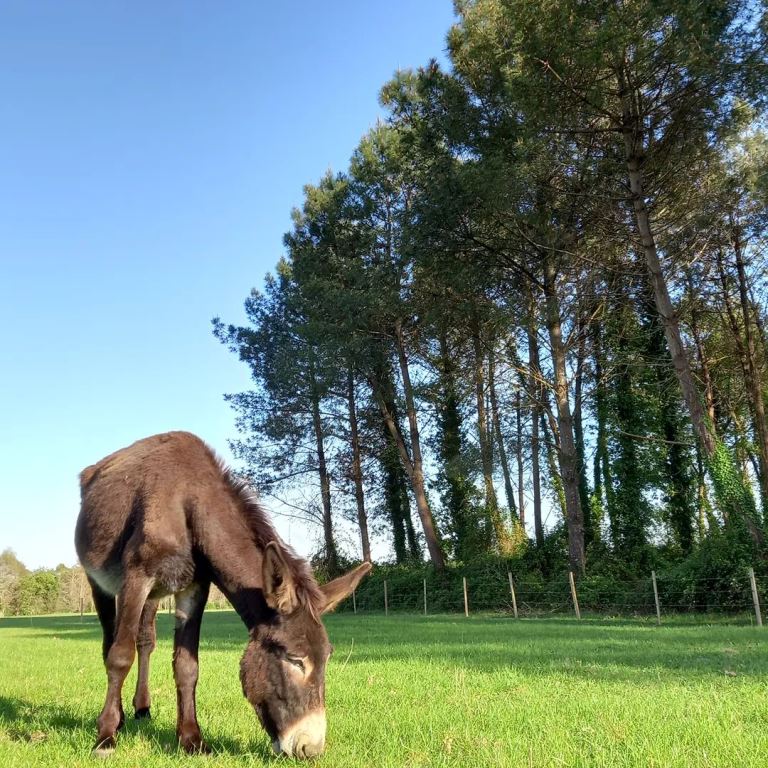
{"type": "Point", "coordinates": [414, 691]}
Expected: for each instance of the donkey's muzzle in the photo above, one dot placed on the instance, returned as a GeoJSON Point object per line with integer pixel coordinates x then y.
{"type": "Point", "coordinates": [305, 738]}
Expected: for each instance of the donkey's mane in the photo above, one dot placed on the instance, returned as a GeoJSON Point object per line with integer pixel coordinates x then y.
{"type": "Point", "coordinates": [307, 589]}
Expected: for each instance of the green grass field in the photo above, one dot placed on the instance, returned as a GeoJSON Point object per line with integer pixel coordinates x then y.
{"type": "Point", "coordinates": [412, 691]}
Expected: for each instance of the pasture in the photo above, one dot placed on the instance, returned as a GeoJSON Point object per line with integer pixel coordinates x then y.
{"type": "Point", "coordinates": [415, 691]}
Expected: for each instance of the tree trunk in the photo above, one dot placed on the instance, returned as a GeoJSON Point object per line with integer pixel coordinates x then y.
{"type": "Point", "coordinates": [578, 432]}
{"type": "Point", "coordinates": [633, 132]}
{"type": "Point", "coordinates": [458, 490]}
{"type": "Point", "coordinates": [394, 480]}
{"type": "Point", "coordinates": [519, 453]}
{"type": "Point", "coordinates": [704, 513]}
{"type": "Point", "coordinates": [325, 481]}
{"type": "Point", "coordinates": [395, 483]}
{"type": "Point", "coordinates": [709, 395]}
{"type": "Point", "coordinates": [732, 320]}
{"type": "Point", "coordinates": [602, 468]}
{"type": "Point", "coordinates": [357, 472]}
{"type": "Point", "coordinates": [749, 371]}
{"type": "Point", "coordinates": [568, 457]}
{"type": "Point", "coordinates": [536, 479]}
{"type": "Point", "coordinates": [754, 379]}
{"type": "Point", "coordinates": [551, 446]}
{"type": "Point", "coordinates": [735, 499]}
{"type": "Point", "coordinates": [742, 444]}
{"type": "Point", "coordinates": [678, 467]}
{"type": "Point", "coordinates": [666, 311]}
{"type": "Point", "coordinates": [534, 397]}
{"type": "Point", "coordinates": [509, 491]}
{"type": "Point", "coordinates": [491, 502]}
{"type": "Point", "coordinates": [416, 477]}
{"type": "Point", "coordinates": [759, 324]}
{"type": "Point", "coordinates": [413, 465]}
{"type": "Point", "coordinates": [629, 512]}
{"type": "Point", "coordinates": [414, 551]}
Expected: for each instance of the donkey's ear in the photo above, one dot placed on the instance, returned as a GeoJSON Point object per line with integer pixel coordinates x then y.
{"type": "Point", "coordinates": [335, 591]}
{"type": "Point", "coordinates": [279, 588]}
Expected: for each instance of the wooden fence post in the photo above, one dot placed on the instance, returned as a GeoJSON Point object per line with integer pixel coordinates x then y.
{"type": "Point", "coordinates": [755, 598]}
{"type": "Point", "coordinates": [466, 601]}
{"type": "Point", "coordinates": [512, 591]}
{"type": "Point", "coordinates": [573, 595]}
{"type": "Point", "coordinates": [656, 598]}
{"type": "Point", "coordinates": [425, 597]}
{"type": "Point", "coordinates": [386, 601]}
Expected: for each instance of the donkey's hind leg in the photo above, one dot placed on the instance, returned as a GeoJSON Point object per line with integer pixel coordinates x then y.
{"type": "Point", "coordinates": [130, 602]}
{"type": "Point", "coordinates": [145, 644]}
{"type": "Point", "coordinates": [106, 611]}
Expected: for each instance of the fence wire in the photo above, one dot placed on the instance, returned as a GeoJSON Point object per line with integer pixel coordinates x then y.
{"type": "Point", "coordinates": [489, 593]}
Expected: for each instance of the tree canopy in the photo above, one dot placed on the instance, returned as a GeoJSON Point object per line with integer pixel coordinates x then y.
{"type": "Point", "coordinates": [530, 315]}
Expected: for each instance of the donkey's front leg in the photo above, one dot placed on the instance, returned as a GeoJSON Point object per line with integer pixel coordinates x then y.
{"type": "Point", "coordinates": [189, 614]}
{"type": "Point", "coordinates": [130, 602]}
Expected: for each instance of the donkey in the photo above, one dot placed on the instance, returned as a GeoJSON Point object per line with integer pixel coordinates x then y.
{"type": "Point", "coordinates": [164, 516]}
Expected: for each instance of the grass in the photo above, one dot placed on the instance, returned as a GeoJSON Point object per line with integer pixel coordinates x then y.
{"type": "Point", "coordinates": [414, 691]}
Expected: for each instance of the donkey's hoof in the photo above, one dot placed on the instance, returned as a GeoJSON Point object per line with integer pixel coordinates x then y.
{"type": "Point", "coordinates": [104, 747]}
{"type": "Point", "coordinates": [143, 714]}
{"type": "Point", "coordinates": [195, 746]}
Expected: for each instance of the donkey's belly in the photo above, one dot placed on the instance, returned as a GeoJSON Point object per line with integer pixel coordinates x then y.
{"type": "Point", "coordinates": [109, 578]}
{"type": "Point", "coordinates": [170, 574]}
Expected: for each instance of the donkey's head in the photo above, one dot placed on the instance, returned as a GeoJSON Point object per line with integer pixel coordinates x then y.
{"type": "Point", "coordinates": [283, 669]}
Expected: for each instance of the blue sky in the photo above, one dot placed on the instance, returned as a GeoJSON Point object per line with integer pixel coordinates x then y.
{"type": "Point", "coordinates": [150, 154]}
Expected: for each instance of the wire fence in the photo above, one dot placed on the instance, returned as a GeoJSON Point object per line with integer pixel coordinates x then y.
{"type": "Point", "coordinates": [737, 597]}
{"type": "Point", "coordinates": [653, 596]}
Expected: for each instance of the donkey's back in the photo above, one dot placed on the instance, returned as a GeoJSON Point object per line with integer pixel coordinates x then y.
{"type": "Point", "coordinates": [139, 505]}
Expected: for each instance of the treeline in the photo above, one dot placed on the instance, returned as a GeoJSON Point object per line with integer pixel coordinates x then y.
{"type": "Point", "coordinates": [529, 318]}
{"type": "Point", "coordinates": [56, 590]}
{"type": "Point", "coordinates": [46, 590]}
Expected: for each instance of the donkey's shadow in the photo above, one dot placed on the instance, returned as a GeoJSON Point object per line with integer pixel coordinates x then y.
{"type": "Point", "coordinates": [24, 721]}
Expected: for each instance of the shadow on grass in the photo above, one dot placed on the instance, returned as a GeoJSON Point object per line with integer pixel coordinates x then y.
{"type": "Point", "coordinates": [24, 721]}
{"type": "Point", "coordinates": [602, 651]}
{"type": "Point", "coordinates": [593, 649]}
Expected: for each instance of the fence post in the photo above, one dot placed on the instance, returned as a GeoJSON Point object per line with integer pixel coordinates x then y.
{"type": "Point", "coordinates": [466, 601]}
{"type": "Point", "coordinates": [425, 597]}
{"type": "Point", "coordinates": [354, 602]}
{"type": "Point", "coordinates": [512, 590]}
{"type": "Point", "coordinates": [755, 598]}
{"type": "Point", "coordinates": [386, 602]}
{"type": "Point", "coordinates": [656, 598]}
{"type": "Point", "coordinates": [573, 595]}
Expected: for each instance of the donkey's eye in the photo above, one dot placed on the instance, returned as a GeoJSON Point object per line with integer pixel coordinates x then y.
{"type": "Point", "coordinates": [296, 661]}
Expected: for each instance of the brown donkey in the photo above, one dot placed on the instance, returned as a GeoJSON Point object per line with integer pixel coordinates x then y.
{"type": "Point", "coordinates": [165, 517]}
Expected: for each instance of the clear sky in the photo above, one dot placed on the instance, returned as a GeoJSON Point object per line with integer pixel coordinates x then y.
{"type": "Point", "coordinates": [150, 154]}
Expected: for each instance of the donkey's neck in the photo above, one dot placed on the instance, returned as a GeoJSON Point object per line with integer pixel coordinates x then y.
{"type": "Point", "coordinates": [235, 561]}
{"type": "Point", "coordinates": [249, 603]}
{"type": "Point", "coordinates": [238, 575]}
